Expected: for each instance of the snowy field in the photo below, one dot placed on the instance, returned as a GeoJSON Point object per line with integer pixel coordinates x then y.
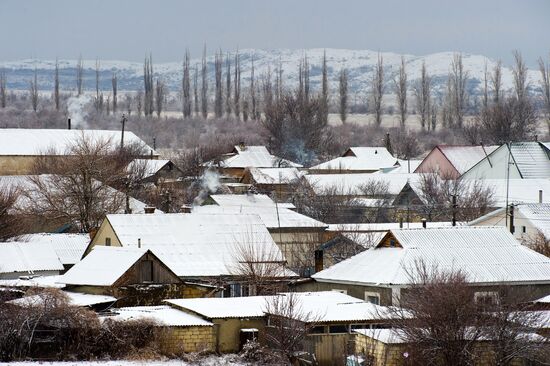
{"type": "Point", "coordinates": [227, 360]}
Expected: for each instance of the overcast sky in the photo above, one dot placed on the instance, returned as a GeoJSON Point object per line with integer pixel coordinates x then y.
{"type": "Point", "coordinates": [127, 29]}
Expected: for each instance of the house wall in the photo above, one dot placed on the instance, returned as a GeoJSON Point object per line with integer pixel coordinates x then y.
{"type": "Point", "coordinates": [498, 170]}
{"type": "Point", "coordinates": [237, 173]}
{"type": "Point", "coordinates": [356, 291]}
{"type": "Point", "coordinates": [379, 353]}
{"type": "Point", "coordinates": [105, 231]}
{"type": "Point", "coordinates": [329, 349]}
{"type": "Point", "coordinates": [160, 273]}
{"type": "Point", "coordinates": [436, 161]}
{"type": "Point", "coordinates": [178, 340]}
{"type": "Point", "coordinates": [16, 165]}
{"type": "Point", "coordinates": [520, 223]}
{"type": "Point", "coordinates": [227, 332]}
{"type": "Point", "coordinates": [298, 246]}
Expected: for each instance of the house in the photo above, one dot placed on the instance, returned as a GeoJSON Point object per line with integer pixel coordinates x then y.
{"type": "Point", "coordinates": [357, 160]}
{"type": "Point", "coordinates": [275, 182]}
{"type": "Point", "coordinates": [69, 247]}
{"type": "Point", "coordinates": [515, 160]}
{"type": "Point", "coordinates": [242, 157]}
{"type": "Point", "coordinates": [451, 161]}
{"type": "Point", "coordinates": [156, 171]}
{"type": "Point", "coordinates": [333, 317]}
{"type": "Point", "coordinates": [202, 247]}
{"type": "Point", "coordinates": [296, 235]}
{"type": "Point", "coordinates": [182, 332]}
{"type": "Point", "coordinates": [20, 259]}
{"type": "Point", "coordinates": [529, 220]}
{"type": "Point", "coordinates": [134, 275]}
{"type": "Point", "coordinates": [19, 148]}
{"type": "Point", "coordinates": [489, 257]}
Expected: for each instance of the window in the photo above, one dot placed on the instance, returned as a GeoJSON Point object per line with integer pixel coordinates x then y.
{"type": "Point", "coordinates": [345, 292]}
{"type": "Point", "coordinates": [232, 290]}
{"type": "Point", "coordinates": [360, 326]}
{"type": "Point", "coordinates": [107, 241]}
{"type": "Point", "coordinates": [486, 298]}
{"type": "Point", "coordinates": [392, 243]}
{"type": "Point", "coordinates": [524, 229]}
{"type": "Point", "coordinates": [317, 330]}
{"type": "Point", "coordinates": [340, 328]}
{"type": "Point", "coordinates": [372, 297]}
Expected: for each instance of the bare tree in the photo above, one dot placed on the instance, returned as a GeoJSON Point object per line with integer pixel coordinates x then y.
{"type": "Point", "coordinates": [204, 85]}
{"type": "Point", "coordinates": [196, 90]}
{"type": "Point", "coordinates": [148, 87]}
{"type": "Point", "coordinates": [139, 102]}
{"type": "Point", "coordinates": [160, 96]}
{"type": "Point", "coordinates": [237, 86]}
{"type": "Point", "coordinates": [422, 93]}
{"type": "Point", "coordinates": [114, 84]}
{"type": "Point", "coordinates": [324, 88]}
{"type": "Point", "coordinates": [545, 86]}
{"type": "Point", "coordinates": [433, 115]}
{"type": "Point", "coordinates": [79, 75]}
{"type": "Point", "coordinates": [485, 97]}
{"type": "Point", "coordinates": [186, 86]}
{"type": "Point", "coordinates": [401, 92]}
{"type": "Point", "coordinates": [459, 93]}
{"type": "Point", "coordinates": [343, 89]}
{"type": "Point", "coordinates": [11, 224]}
{"type": "Point", "coordinates": [33, 90]}
{"type": "Point", "coordinates": [267, 94]}
{"type": "Point", "coordinates": [377, 90]}
{"type": "Point", "coordinates": [218, 100]}
{"type": "Point", "coordinates": [56, 86]}
{"type": "Point", "coordinates": [496, 81]}
{"type": "Point", "coordinates": [538, 242]}
{"type": "Point", "coordinates": [228, 107]}
{"type": "Point", "coordinates": [253, 101]}
{"type": "Point", "coordinates": [98, 94]}
{"type": "Point", "coordinates": [3, 89]}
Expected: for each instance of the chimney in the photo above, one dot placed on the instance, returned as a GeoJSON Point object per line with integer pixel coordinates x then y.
{"type": "Point", "coordinates": [139, 242]}
{"type": "Point", "coordinates": [149, 210]}
{"type": "Point", "coordinates": [540, 195]}
{"type": "Point", "coordinates": [242, 146]}
{"type": "Point", "coordinates": [318, 260]}
{"type": "Point", "coordinates": [68, 123]}
{"type": "Point", "coordinates": [424, 221]}
{"type": "Point", "coordinates": [401, 223]}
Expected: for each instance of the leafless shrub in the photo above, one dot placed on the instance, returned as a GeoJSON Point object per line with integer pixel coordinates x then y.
{"type": "Point", "coordinates": [538, 242]}
{"type": "Point", "coordinates": [11, 224]}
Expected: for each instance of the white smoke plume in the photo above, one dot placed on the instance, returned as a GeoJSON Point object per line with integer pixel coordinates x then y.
{"type": "Point", "coordinates": [76, 108]}
{"type": "Point", "coordinates": [209, 183]}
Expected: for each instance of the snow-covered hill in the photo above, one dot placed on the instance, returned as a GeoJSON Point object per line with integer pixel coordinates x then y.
{"type": "Point", "coordinates": [360, 64]}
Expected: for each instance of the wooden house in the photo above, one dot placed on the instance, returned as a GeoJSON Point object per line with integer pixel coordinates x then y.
{"type": "Point", "coordinates": [489, 256]}
{"type": "Point", "coordinates": [156, 171]}
{"type": "Point", "coordinates": [20, 147]}
{"type": "Point", "coordinates": [135, 276]}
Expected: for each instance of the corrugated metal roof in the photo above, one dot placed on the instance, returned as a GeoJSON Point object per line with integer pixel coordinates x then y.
{"type": "Point", "coordinates": [68, 247]}
{"type": "Point", "coordinates": [254, 156]}
{"type": "Point", "coordinates": [275, 175]}
{"type": "Point", "coordinates": [163, 315]}
{"type": "Point", "coordinates": [351, 184]}
{"type": "Point", "coordinates": [531, 159]}
{"type": "Point", "coordinates": [465, 157]}
{"type": "Point", "coordinates": [28, 257]}
{"type": "Point", "coordinates": [75, 298]}
{"type": "Point", "coordinates": [196, 244]}
{"type": "Point", "coordinates": [103, 266]}
{"type": "Point", "coordinates": [26, 141]}
{"type": "Point", "coordinates": [366, 158]}
{"type": "Point", "coordinates": [484, 254]}
{"type": "Point", "coordinates": [538, 214]}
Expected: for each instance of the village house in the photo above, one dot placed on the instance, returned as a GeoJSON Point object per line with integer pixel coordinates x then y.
{"type": "Point", "coordinates": [357, 160]}
{"type": "Point", "coordinates": [135, 276]}
{"type": "Point", "coordinates": [22, 259]}
{"type": "Point", "coordinates": [296, 235]}
{"type": "Point", "coordinates": [156, 171]}
{"type": "Point", "coordinates": [515, 160]}
{"type": "Point", "coordinates": [451, 161]}
{"type": "Point", "coordinates": [232, 166]}
{"type": "Point", "coordinates": [527, 221]}
{"type": "Point", "coordinates": [490, 257]}
{"type": "Point", "coordinates": [20, 147]}
{"type": "Point", "coordinates": [274, 182]}
{"type": "Point", "coordinates": [203, 247]}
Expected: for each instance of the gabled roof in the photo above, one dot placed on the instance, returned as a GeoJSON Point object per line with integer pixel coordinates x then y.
{"type": "Point", "coordinates": [253, 156]}
{"type": "Point", "coordinates": [323, 306]}
{"type": "Point", "coordinates": [350, 184]}
{"type": "Point", "coordinates": [272, 215]}
{"type": "Point", "coordinates": [531, 159]}
{"type": "Point", "coordinates": [360, 158]}
{"type": "Point", "coordinates": [103, 266]}
{"type": "Point", "coordinates": [27, 141]}
{"type": "Point", "coordinates": [465, 157]}
{"type": "Point", "coordinates": [28, 257]}
{"type": "Point", "coordinates": [487, 255]}
{"type": "Point", "coordinates": [163, 315]}
{"type": "Point", "coordinates": [68, 247]}
{"type": "Point", "coordinates": [275, 175]}
{"type": "Point", "coordinates": [195, 244]}
{"type": "Point", "coordinates": [149, 167]}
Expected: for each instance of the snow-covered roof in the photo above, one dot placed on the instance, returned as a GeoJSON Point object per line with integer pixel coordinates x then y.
{"type": "Point", "coordinates": [149, 167]}
{"type": "Point", "coordinates": [37, 281]}
{"type": "Point", "coordinates": [485, 254]}
{"type": "Point", "coordinates": [323, 306]}
{"type": "Point", "coordinates": [531, 159]}
{"type": "Point", "coordinates": [28, 257]}
{"type": "Point", "coordinates": [351, 184]}
{"type": "Point", "coordinates": [195, 244]}
{"type": "Point", "coordinates": [26, 141]}
{"type": "Point", "coordinates": [24, 182]}
{"type": "Point", "coordinates": [103, 266]}
{"type": "Point", "coordinates": [387, 336]}
{"type": "Point", "coordinates": [75, 298]}
{"type": "Point", "coordinates": [275, 175]}
{"type": "Point", "coordinates": [385, 226]}
{"type": "Point", "coordinates": [272, 215]}
{"type": "Point", "coordinates": [404, 167]}
{"type": "Point", "coordinates": [253, 156]}
{"type": "Point", "coordinates": [462, 158]}
{"type": "Point", "coordinates": [68, 247]}
{"type": "Point", "coordinates": [543, 300]}
{"type": "Point", "coordinates": [361, 159]}
{"type": "Point", "coordinates": [163, 315]}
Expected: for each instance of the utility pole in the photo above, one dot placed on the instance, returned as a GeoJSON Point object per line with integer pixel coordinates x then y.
{"type": "Point", "coordinates": [454, 210]}
{"type": "Point", "coordinates": [124, 119]}
{"type": "Point", "coordinates": [512, 227]}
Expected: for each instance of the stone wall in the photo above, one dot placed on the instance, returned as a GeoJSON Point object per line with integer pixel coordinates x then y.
{"type": "Point", "coordinates": [178, 340]}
